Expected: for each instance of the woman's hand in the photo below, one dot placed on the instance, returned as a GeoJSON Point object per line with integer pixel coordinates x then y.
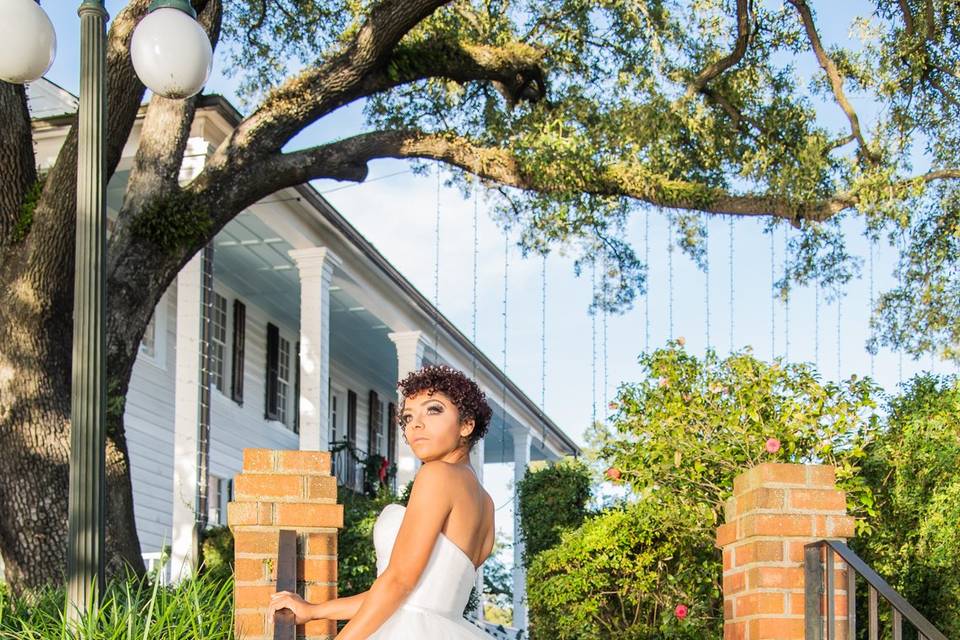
{"type": "Point", "coordinates": [303, 611]}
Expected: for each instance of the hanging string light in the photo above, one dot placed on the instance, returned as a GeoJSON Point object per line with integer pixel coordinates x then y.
{"type": "Point", "coordinates": [646, 297]}
{"type": "Point", "coordinates": [604, 397]}
{"type": "Point", "coordinates": [786, 302]}
{"type": "Point", "coordinates": [839, 336]}
{"type": "Point", "coordinates": [503, 383]}
{"type": "Point", "coordinates": [900, 320]}
{"type": "Point", "coordinates": [436, 273]}
{"type": "Point", "coordinates": [732, 314]}
{"type": "Point", "coordinates": [543, 333]}
{"type": "Point", "coordinates": [870, 315]}
{"type": "Point", "coordinates": [706, 276]}
{"type": "Point", "coordinates": [773, 300]}
{"type": "Point", "coordinates": [476, 269]}
{"type": "Point", "coordinates": [593, 344]}
{"type": "Point", "coordinates": [816, 323]}
{"type": "Point", "coordinates": [670, 272]}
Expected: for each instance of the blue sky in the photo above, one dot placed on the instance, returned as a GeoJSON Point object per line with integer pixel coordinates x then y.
{"type": "Point", "coordinates": [398, 214]}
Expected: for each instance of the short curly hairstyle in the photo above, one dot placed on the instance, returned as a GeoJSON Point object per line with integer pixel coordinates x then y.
{"type": "Point", "coordinates": [470, 401]}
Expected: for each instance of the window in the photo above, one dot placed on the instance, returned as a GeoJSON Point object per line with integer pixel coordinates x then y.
{"type": "Point", "coordinates": [373, 423]}
{"type": "Point", "coordinates": [381, 429]}
{"type": "Point", "coordinates": [218, 339]}
{"type": "Point", "coordinates": [219, 493]}
{"type": "Point", "coordinates": [153, 344]}
{"type": "Point", "coordinates": [239, 347]}
{"type": "Point", "coordinates": [283, 380]}
{"type": "Point", "coordinates": [333, 417]}
{"type": "Point", "coordinates": [271, 403]}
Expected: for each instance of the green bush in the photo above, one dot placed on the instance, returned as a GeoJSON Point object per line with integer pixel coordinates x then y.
{"type": "Point", "coordinates": [623, 573]}
{"type": "Point", "coordinates": [553, 499]}
{"type": "Point", "coordinates": [913, 470]}
{"type": "Point", "coordinates": [216, 553]}
{"type": "Point", "coordinates": [135, 608]}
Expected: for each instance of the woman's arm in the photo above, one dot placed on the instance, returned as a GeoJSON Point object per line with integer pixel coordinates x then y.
{"type": "Point", "coordinates": [336, 609]}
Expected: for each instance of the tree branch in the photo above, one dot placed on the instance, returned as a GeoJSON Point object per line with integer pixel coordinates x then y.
{"type": "Point", "coordinates": [833, 75]}
{"type": "Point", "coordinates": [713, 70]}
{"type": "Point", "coordinates": [318, 90]}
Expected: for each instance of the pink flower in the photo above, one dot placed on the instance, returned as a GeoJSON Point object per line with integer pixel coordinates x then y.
{"type": "Point", "coordinates": [613, 473]}
{"type": "Point", "coordinates": [663, 382]}
{"type": "Point", "coordinates": [773, 445]}
{"type": "Point", "coordinates": [681, 611]}
{"type": "Point", "coordinates": [681, 341]}
{"type": "Point", "coordinates": [613, 406]}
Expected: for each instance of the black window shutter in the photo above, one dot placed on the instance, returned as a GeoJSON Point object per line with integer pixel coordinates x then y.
{"type": "Point", "coordinates": [373, 421]}
{"type": "Point", "coordinates": [352, 418]}
{"type": "Point", "coordinates": [239, 346]}
{"type": "Point", "coordinates": [273, 373]}
{"type": "Point", "coordinates": [296, 392]}
{"type": "Point", "coordinates": [391, 432]}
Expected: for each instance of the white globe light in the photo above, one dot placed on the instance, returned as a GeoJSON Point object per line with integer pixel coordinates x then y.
{"type": "Point", "coordinates": [28, 42]}
{"type": "Point", "coordinates": [171, 53]}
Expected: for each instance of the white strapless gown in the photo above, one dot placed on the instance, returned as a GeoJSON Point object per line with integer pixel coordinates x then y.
{"type": "Point", "coordinates": [434, 609]}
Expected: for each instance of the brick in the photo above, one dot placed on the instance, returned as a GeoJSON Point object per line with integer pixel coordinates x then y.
{"type": "Point", "coordinates": [727, 559]}
{"type": "Point", "coordinates": [758, 551]}
{"type": "Point", "coordinates": [265, 513]}
{"type": "Point", "coordinates": [253, 596]}
{"type": "Point", "coordinates": [320, 544]}
{"type": "Point", "coordinates": [241, 513]}
{"type": "Point", "coordinates": [775, 524]}
{"type": "Point", "coordinates": [258, 487]}
{"type": "Point", "coordinates": [258, 460]}
{"type": "Point", "coordinates": [730, 509]}
{"type": "Point", "coordinates": [322, 570]}
{"type": "Point", "coordinates": [250, 569]}
{"type": "Point", "coordinates": [760, 603]}
{"type": "Point", "coordinates": [305, 514]}
{"type": "Point", "coordinates": [322, 488]}
{"type": "Point", "coordinates": [320, 592]}
{"type": "Point", "coordinates": [320, 629]}
{"type": "Point", "coordinates": [841, 526]}
{"type": "Point", "coordinates": [761, 498]}
{"type": "Point", "coordinates": [770, 474]}
{"type": "Point", "coordinates": [735, 631]}
{"type": "Point", "coordinates": [821, 475]}
{"type": "Point", "coordinates": [795, 550]}
{"type": "Point", "coordinates": [726, 534]}
{"type": "Point", "coordinates": [820, 500]}
{"type": "Point", "coordinates": [250, 624]}
{"type": "Point", "coordinates": [304, 462]}
{"type": "Point", "coordinates": [776, 628]}
{"type": "Point", "coordinates": [773, 577]}
{"type": "Point", "coordinates": [256, 542]}
{"type": "Point", "coordinates": [734, 583]}
{"type": "Point", "coordinates": [728, 609]}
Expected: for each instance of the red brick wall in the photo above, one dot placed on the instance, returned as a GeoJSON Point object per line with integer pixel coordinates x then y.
{"type": "Point", "coordinates": [775, 510]}
{"type": "Point", "coordinates": [283, 490]}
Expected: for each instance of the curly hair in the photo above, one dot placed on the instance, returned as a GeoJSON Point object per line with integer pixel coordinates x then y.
{"type": "Point", "coordinates": [463, 392]}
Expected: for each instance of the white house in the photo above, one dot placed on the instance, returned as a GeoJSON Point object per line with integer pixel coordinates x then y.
{"type": "Point", "coordinates": [310, 328]}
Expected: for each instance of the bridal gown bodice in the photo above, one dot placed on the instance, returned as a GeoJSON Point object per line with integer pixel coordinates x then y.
{"type": "Point", "coordinates": [434, 609]}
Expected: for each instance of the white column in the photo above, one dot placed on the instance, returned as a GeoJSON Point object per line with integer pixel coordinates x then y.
{"type": "Point", "coordinates": [476, 461]}
{"type": "Point", "coordinates": [315, 266]}
{"type": "Point", "coordinates": [183, 543]}
{"type": "Point", "coordinates": [521, 458]}
{"type": "Point", "coordinates": [410, 347]}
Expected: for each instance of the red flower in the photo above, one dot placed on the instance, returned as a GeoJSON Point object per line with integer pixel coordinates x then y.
{"type": "Point", "coordinates": [383, 470]}
{"type": "Point", "coordinates": [613, 473]}
{"type": "Point", "coordinates": [681, 611]}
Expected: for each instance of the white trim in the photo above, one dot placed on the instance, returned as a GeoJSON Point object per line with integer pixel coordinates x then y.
{"type": "Point", "coordinates": [159, 319]}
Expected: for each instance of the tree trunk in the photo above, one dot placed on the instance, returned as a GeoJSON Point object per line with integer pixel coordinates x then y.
{"type": "Point", "coordinates": [35, 370]}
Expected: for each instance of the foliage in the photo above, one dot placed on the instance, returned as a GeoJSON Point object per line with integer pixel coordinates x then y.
{"type": "Point", "coordinates": [198, 607]}
{"type": "Point", "coordinates": [653, 103]}
{"type": "Point", "coordinates": [691, 425]}
{"type": "Point", "coordinates": [553, 499]}
{"type": "Point", "coordinates": [173, 222]}
{"type": "Point", "coordinates": [912, 468]}
{"type": "Point", "coordinates": [623, 573]}
{"type": "Point", "coordinates": [30, 200]}
{"type": "Point", "coordinates": [216, 553]}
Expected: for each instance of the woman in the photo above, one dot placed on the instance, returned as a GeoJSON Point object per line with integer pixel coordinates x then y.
{"type": "Point", "coordinates": [429, 552]}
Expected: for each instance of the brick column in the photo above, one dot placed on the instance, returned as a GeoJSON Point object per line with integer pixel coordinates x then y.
{"type": "Point", "coordinates": [775, 510]}
{"type": "Point", "coordinates": [283, 490]}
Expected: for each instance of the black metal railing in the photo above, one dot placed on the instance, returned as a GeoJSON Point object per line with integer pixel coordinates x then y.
{"type": "Point", "coordinates": [284, 622]}
{"type": "Point", "coordinates": [820, 616]}
{"type": "Point", "coordinates": [358, 470]}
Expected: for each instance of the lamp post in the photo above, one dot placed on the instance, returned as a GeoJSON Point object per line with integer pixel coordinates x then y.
{"type": "Point", "coordinates": [169, 33]}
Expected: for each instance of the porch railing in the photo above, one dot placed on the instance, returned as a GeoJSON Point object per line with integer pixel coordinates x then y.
{"type": "Point", "coordinates": [818, 561]}
{"type": "Point", "coordinates": [284, 622]}
{"type": "Point", "coordinates": [349, 464]}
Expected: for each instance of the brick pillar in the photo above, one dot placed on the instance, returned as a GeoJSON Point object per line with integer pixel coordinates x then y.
{"type": "Point", "coordinates": [283, 490]}
{"type": "Point", "coordinates": [775, 510]}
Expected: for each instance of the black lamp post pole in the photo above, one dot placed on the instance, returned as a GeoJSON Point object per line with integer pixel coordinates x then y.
{"type": "Point", "coordinates": [85, 550]}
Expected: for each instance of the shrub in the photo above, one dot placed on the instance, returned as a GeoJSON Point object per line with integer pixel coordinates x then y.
{"type": "Point", "coordinates": [200, 607]}
{"type": "Point", "coordinates": [553, 499]}
{"type": "Point", "coordinates": [622, 575]}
